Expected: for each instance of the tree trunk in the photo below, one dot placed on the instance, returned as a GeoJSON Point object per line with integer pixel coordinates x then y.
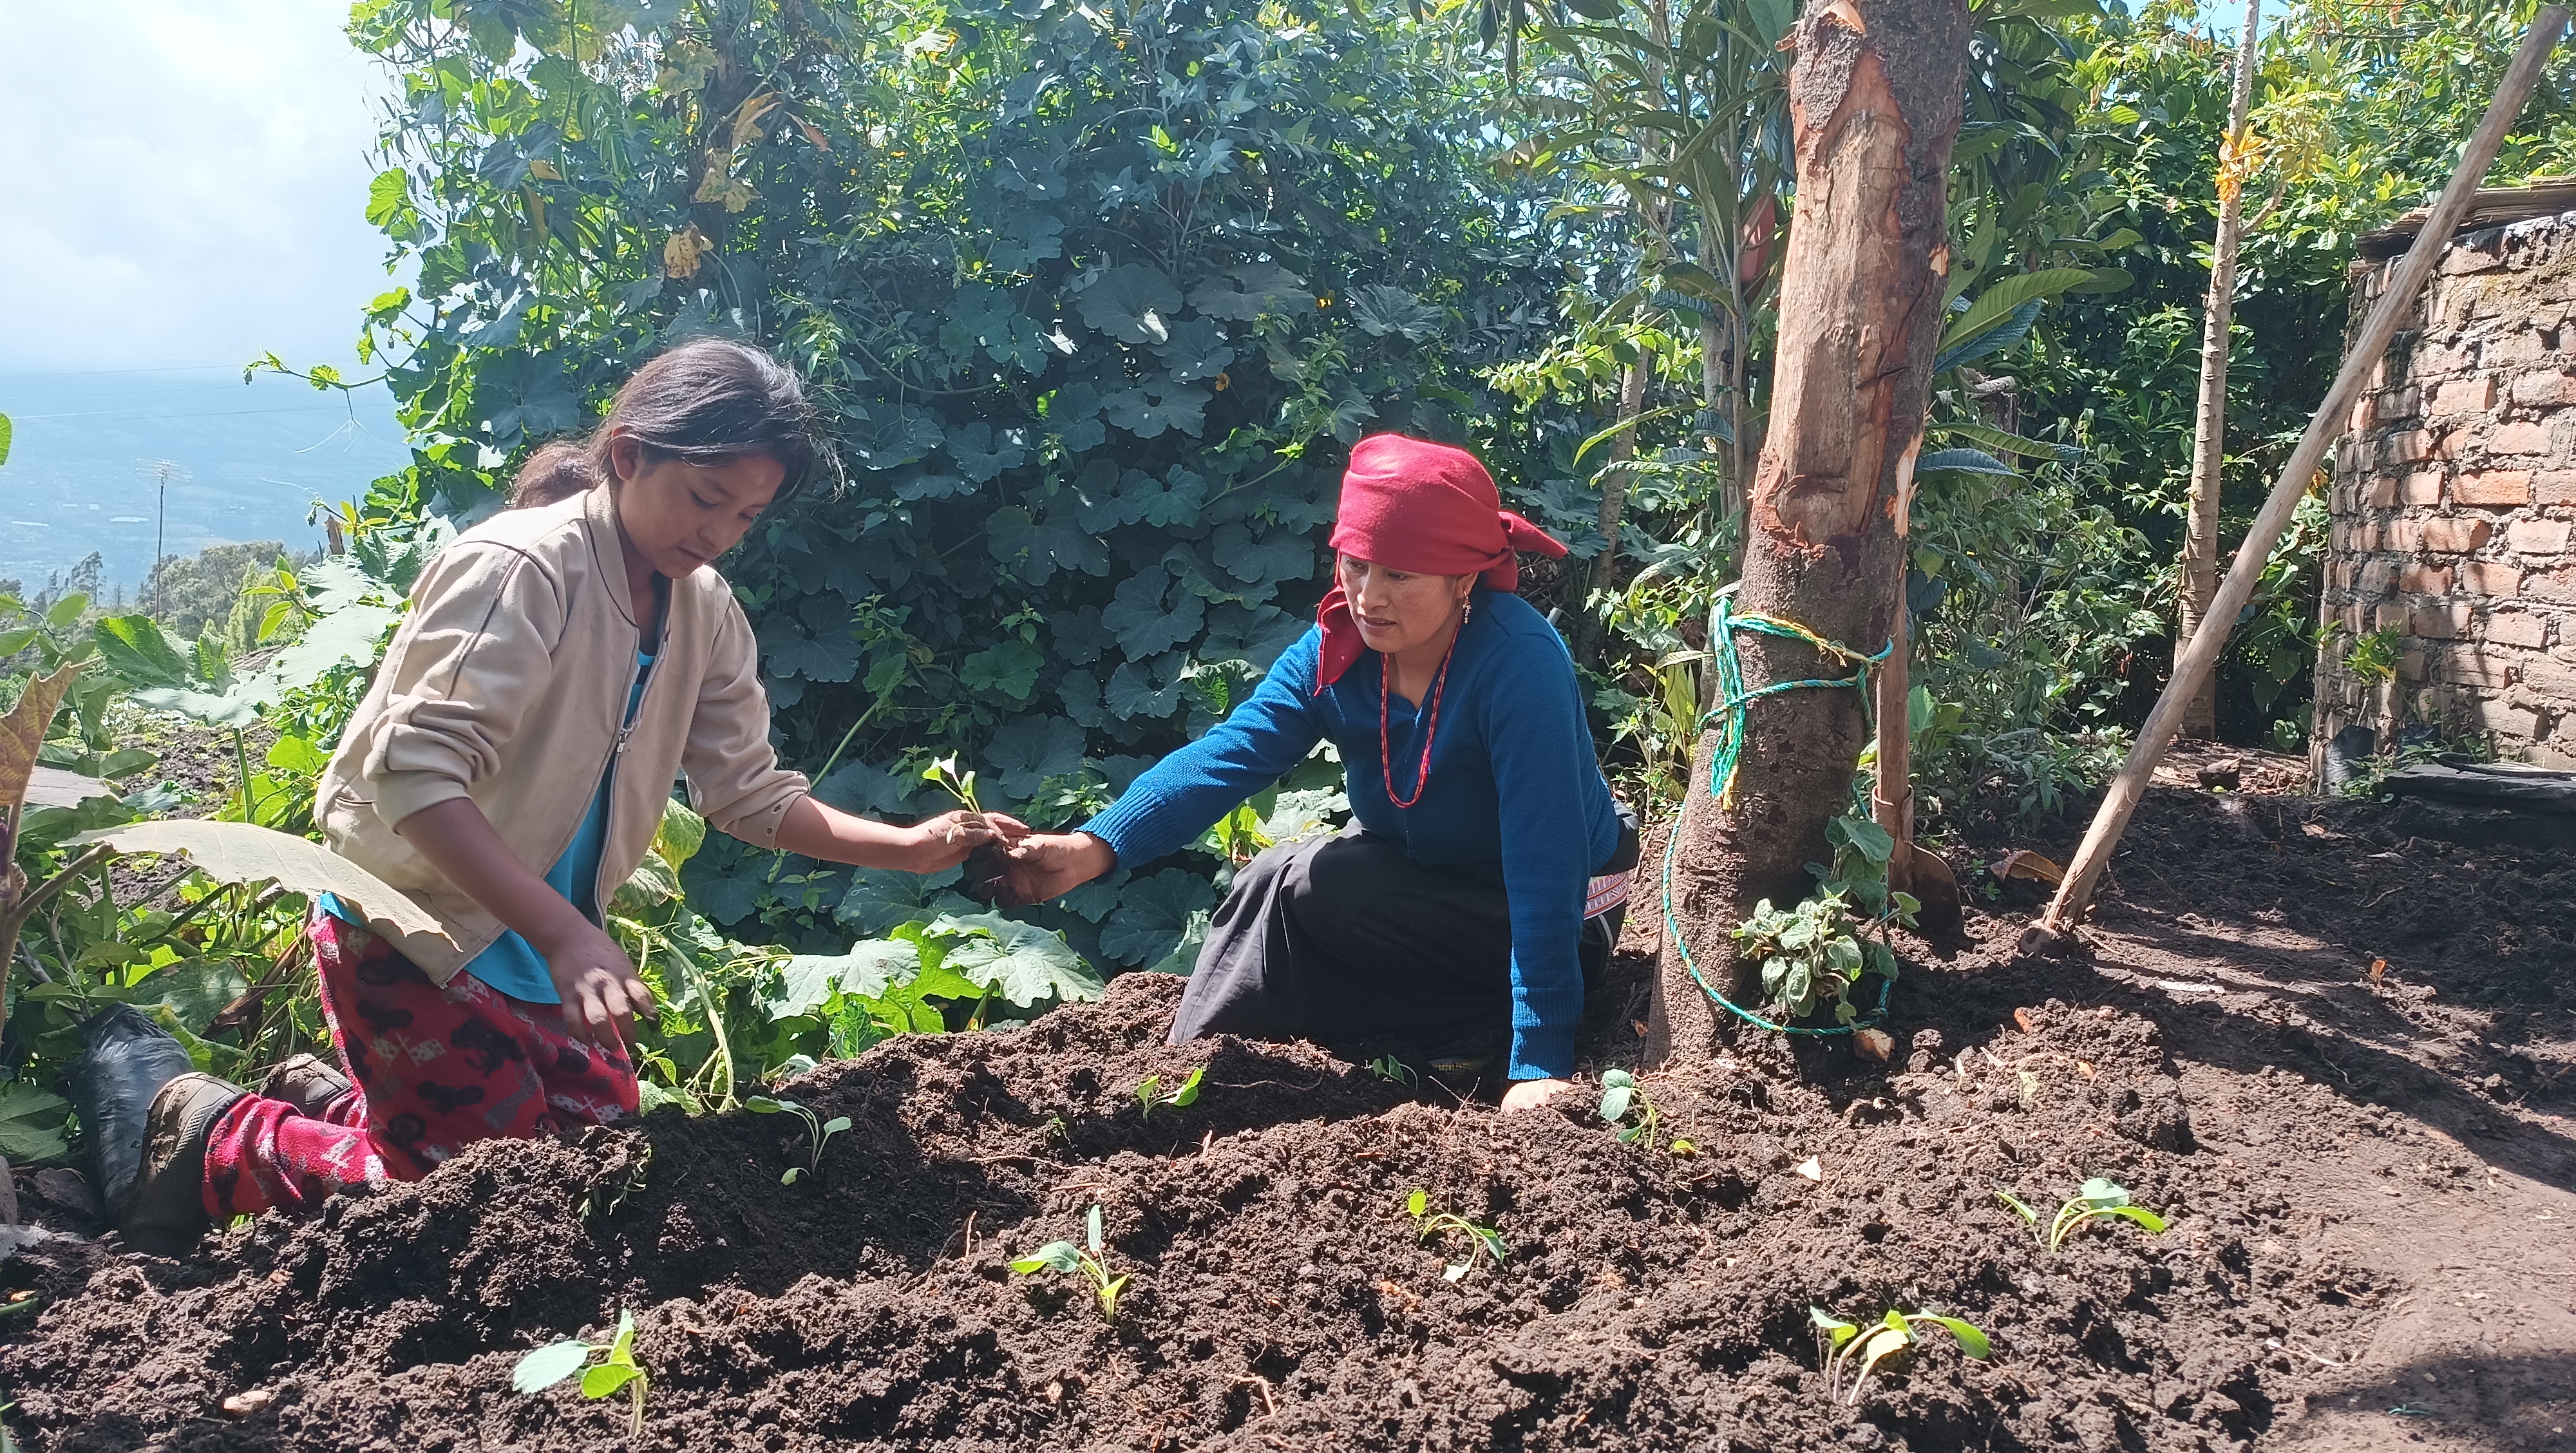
{"type": "Point", "coordinates": [1874, 104]}
{"type": "Point", "coordinates": [2209, 431]}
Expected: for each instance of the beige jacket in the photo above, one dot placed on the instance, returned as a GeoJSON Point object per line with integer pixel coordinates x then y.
{"type": "Point", "coordinates": [507, 684]}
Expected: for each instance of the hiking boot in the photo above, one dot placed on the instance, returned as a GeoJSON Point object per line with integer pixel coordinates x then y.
{"type": "Point", "coordinates": [166, 1212]}
{"type": "Point", "coordinates": [307, 1082]}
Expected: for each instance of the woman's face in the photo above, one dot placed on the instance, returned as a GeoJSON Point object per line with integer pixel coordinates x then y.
{"type": "Point", "coordinates": [1397, 611]}
{"type": "Point", "coordinates": [678, 515]}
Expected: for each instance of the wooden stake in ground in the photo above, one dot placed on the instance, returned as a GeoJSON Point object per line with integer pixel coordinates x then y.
{"type": "Point", "coordinates": [1874, 104]}
{"type": "Point", "coordinates": [2198, 658]}
{"type": "Point", "coordinates": [2209, 433]}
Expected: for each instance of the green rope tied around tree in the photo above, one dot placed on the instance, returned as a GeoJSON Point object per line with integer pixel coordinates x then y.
{"type": "Point", "coordinates": [1733, 723]}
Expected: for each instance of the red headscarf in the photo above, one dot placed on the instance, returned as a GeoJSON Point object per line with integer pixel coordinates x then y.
{"type": "Point", "coordinates": [1425, 509]}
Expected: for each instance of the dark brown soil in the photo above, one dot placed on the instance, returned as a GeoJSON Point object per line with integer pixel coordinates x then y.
{"type": "Point", "coordinates": [2357, 1165]}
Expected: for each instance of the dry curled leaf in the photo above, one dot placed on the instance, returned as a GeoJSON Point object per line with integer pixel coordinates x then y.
{"type": "Point", "coordinates": [2023, 863]}
{"type": "Point", "coordinates": [1875, 1044]}
{"type": "Point", "coordinates": [1813, 1168]}
{"type": "Point", "coordinates": [2028, 1021]}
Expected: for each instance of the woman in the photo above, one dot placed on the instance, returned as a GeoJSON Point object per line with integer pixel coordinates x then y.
{"type": "Point", "coordinates": [1450, 921]}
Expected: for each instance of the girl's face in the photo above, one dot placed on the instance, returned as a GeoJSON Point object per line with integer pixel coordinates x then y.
{"type": "Point", "coordinates": [1397, 611]}
{"type": "Point", "coordinates": [678, 515]}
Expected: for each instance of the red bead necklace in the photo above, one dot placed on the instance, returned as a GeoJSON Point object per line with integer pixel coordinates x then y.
{"type": "Point", "coordinates": [1439, 685]}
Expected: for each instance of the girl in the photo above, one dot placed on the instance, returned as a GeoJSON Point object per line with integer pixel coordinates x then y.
{"type": "Point", "coordinates": [1461, 917]}
{"type": "Point", "coordinates": [562, 663]}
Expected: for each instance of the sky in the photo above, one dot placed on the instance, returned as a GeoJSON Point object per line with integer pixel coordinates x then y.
{"type": "Point", "coordinates": [187, 184]}
{"type": "Point", "coordinates": [187, 180]}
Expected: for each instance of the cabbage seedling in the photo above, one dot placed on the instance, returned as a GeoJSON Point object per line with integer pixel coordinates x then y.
{"type": "Point", "coordinates": [818, 1129]}
{"type": "Point", "coordinates": [1854, 1352]}
{"type": "Point", "coordinates": [1481, 1240]}
{"type": "Point", "coordinates": [1150, 1092]}
{"type": "Point", "coordinates": [616, 1368]}
{"type": "Point", "coordinates": [2098, 1198]}
{"type": "Point", "coordinates": [1066, 1257]}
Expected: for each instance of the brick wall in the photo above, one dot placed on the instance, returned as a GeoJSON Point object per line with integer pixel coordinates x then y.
{"type": "Point", "coordinates": [2454, 501]}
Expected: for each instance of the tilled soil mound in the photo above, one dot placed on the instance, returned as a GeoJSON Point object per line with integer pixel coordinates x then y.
{"type": "Point", "coordinates": [1282, 1297]}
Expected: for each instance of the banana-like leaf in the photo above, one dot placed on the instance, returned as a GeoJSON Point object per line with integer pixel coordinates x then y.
{"type": "Point", "coordinates": [2003, 441]}
{"type": "Point", "coordinates": [237, 852]}
{"type": "Point", "coordinates": [22, 731]}
{"type": "Point", "coordinates": [1998, 301]}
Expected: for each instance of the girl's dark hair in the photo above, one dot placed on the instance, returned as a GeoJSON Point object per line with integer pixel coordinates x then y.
{"type": "Point", "coordinates": [706, 401]}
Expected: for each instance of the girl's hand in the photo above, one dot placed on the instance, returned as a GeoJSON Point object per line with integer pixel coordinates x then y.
{"type": "Point", "coordinates": [1530, 1094]}
{"type": "Point", "coordinates": [600, 990]}
{"type": "Point", "coordinates": [945, 840]}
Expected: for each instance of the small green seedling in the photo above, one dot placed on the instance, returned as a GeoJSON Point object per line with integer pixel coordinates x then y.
{"type": "Point", "coordinates": [616, 1368]}
{"type": "Point", "coordinates": [2098, 1198]}
{"type": "Point", "coordinates": [1388, 1067]}
{"type": "Point", "coordinates": [1624, 1104]}
{"type": "Point", "coordinates": [944, 772]}
{"type": "Point", "coordinates": [1481, 1240]}
{"type": "Point", "coordinates": [1150, 1092]}
{"type": "Point", "coordinates": [1065, 1256]}
{"type": "Point", "coordinates": [1854, 1352]}
{"type": "Point", "coordinates": [817, 1128]}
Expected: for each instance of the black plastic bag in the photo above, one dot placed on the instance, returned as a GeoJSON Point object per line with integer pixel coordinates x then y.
{"type": "Point", "coordinates": [124, 1062]}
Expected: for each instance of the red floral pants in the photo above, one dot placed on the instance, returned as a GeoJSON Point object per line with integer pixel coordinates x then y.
{"type": "Point", "coordinates": [436, 1069]}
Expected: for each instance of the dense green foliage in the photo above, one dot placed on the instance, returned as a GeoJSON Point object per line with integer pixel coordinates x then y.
{"type": "Point", "coordinates": [1094, 297]}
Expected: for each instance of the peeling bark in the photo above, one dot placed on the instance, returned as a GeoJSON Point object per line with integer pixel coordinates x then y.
{"type": "Point", "coordinates": [1874, 105]}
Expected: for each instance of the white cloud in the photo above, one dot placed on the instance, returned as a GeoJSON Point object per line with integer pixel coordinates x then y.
{"type": "Point", "coordinates": [186, 180]}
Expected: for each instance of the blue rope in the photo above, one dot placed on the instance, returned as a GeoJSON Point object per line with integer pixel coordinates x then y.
{"type": "Point", "coordinates": [1733, 723]}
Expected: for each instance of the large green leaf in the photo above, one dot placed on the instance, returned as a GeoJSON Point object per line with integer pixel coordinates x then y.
{"type": "Point", "coordinates": [1132, 303]}
{"type": "Point", "coordinates": [1155, 914]}
{"type": "Point", "coordinates": [236, 852]}
{"type": "Point", "coordinates": [1999, 299]}
{"type": "Point", "coordinates": [1030, 749]}
{"type": "Point", "coordinates": [136, 649]}
{"type": "Point", "coordinates": [868, 970]}
{"type": "Point", "coordinates": [31, 1123]}
{"type": "Point", "coordinates": [880, 898]}
{"type": "Point", "coordinates": [1022, 962]}
{"type": "Point", "coordinates": [351, 635]}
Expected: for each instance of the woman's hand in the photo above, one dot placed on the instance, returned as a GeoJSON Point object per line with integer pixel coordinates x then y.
{"type": "Point", "coordinates": [946, 840]}
{"type": "Point", "coordinates": [1047, 865]}
{"type": "Point", "coordinates": [600, 990]}
{"type": "Point", "coordinates": [1530, 1094]}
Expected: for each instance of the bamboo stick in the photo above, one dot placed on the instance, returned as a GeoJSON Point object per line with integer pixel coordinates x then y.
{"type": "Point", "coordinates": [2200, 656]}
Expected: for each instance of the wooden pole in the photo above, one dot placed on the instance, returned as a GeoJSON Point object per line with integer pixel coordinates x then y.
{"type": "Point", "coordinates": [2075, 894]}
{"type": "Point", "coordinates": [1891, 795]}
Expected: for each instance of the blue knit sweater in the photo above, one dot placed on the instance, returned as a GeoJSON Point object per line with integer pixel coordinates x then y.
{"type": "Point", "coordinates": [1516, 796]}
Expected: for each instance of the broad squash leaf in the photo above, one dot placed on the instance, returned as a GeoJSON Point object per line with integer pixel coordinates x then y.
{"type": "Point", "coordinates": [236, 852]}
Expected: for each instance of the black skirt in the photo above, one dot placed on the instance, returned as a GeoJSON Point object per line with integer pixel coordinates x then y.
{"type": "Point", "coordinates": [1347, 942]}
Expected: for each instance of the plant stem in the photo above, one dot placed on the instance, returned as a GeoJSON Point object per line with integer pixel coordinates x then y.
{"type": "Point", "coordinates": [241, 763]}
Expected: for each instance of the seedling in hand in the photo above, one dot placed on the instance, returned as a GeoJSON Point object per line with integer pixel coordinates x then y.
{"type": "Point", "coordinates": [1150, 1092]}
{"type": "Point", "coordinates": [1067, 1257]}
{"type": "Point", "coordinates": [616, 1368]}
{"type": "Point", "coordinates": [1481, 1240]}
{"type": "Point", "coordinates": [2097, 1199]}
{"type": "Point", "coordinates": [944, 772]}
{"type": "Point", "coordinates": [817, 1128]}
{"type": "Point", "coordinates": [1854, 1352]}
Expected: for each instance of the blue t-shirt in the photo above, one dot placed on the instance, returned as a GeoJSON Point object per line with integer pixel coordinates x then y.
{"type": "Point", "coordinates": [512, 965]}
